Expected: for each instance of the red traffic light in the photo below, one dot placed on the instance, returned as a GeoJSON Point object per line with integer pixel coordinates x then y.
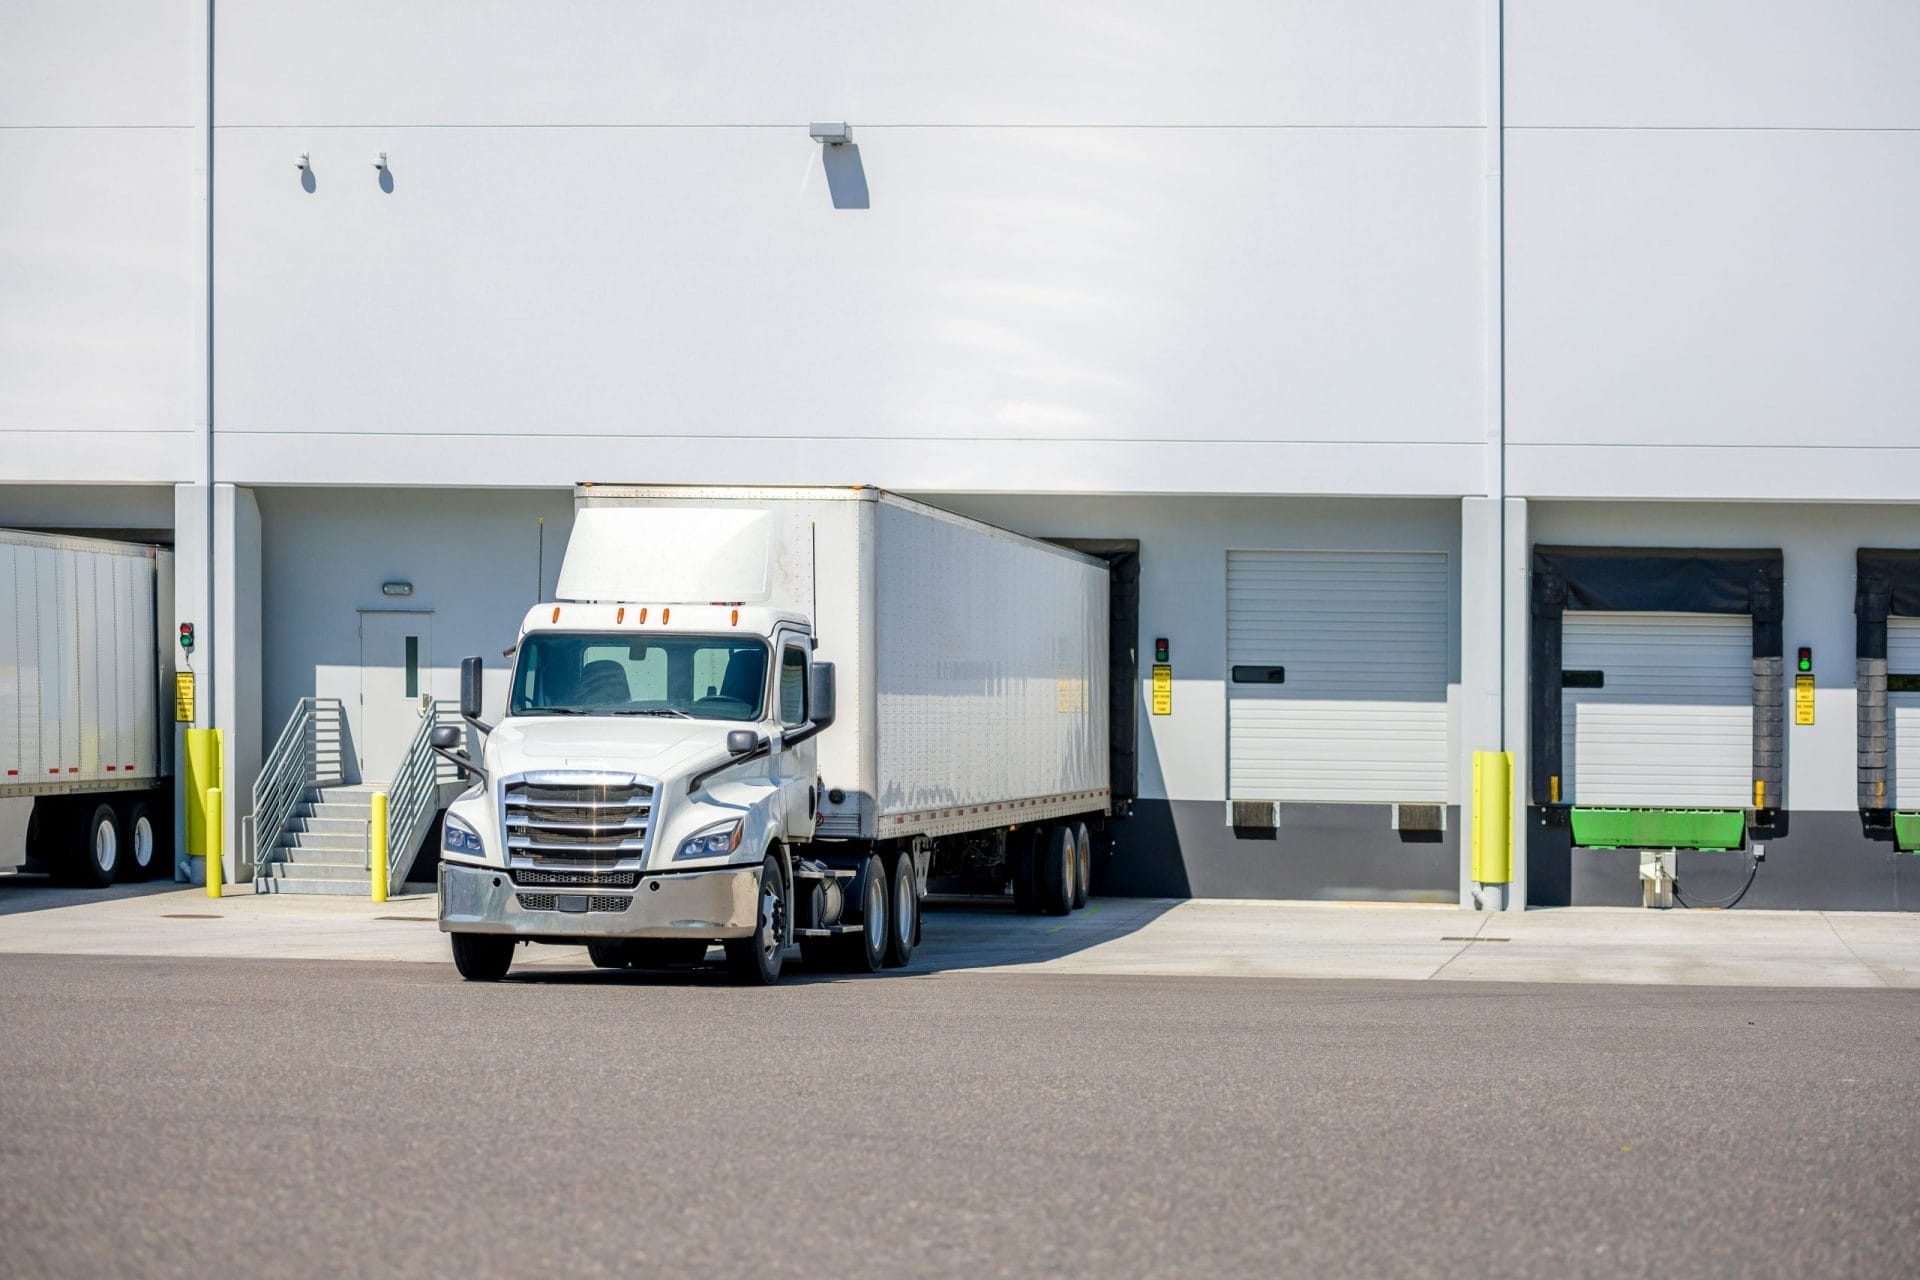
{"type": "Point", "coordinates": [186, 636]}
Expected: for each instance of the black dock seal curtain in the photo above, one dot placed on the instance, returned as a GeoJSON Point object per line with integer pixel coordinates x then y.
{"type": "Point", "coordinates": [1886, 584]}
{"type": "Point", "coordinates": [1657, 580]}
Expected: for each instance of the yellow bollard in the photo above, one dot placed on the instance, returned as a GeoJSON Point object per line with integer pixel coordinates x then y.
{"type": "Point", "coordinates": [1492, 817]}
{"type": "Point", "coordinates": [377, 847]}
{"type": "Point", "coordinates": [214, 869]}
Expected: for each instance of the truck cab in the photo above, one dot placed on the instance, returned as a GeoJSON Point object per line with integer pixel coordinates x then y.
{"type": "Point", "coordinates": [645, 790]}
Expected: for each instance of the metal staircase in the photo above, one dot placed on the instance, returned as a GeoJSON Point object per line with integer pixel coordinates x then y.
{"type": "Point", "coordinates": [314, 831]}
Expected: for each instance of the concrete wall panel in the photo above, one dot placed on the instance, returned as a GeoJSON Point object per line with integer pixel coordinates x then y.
{"type": "Point", "coordinates": [1746, 64]}
{"type": "Point", "coordinates": [640, 287]}
{"type": "Point", "coordinates": [755, 62]}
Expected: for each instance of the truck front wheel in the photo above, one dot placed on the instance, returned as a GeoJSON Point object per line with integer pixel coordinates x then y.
{"type": "Point", "coordinates": [482, 957]}
{"type": "Point", "coordinates": [756, 960]}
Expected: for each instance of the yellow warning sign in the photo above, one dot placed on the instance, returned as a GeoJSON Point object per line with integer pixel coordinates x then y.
{"type": "Point", "coordinates": [1162, 689]}
{"type": "Point", "coordinates": [1803, 699]}
{"type": "Point", "coordinates": [183, 697]}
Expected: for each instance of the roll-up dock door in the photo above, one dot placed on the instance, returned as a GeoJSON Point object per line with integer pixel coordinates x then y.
{"type": "Point", "coordinates": [1657, 710]}
{"type": "Point", "coordinates": [1903, 709]}
{"type": "Point", "coordinates": [1337, 676]}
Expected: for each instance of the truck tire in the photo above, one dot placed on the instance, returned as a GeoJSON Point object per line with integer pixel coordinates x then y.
{"type": "Point", "coordinates": [482, 957]}
{"type": "Point", "coordinates": [866, 951]}
{"type": "Point", "coordinates": [95, 849]}
{"type": "Point", "coordinates": [607, 955]}
{"type": "Point", "coordinates": [756, 960]}
{"type": "Point", "coordinates": [1082, 864]}
{"type": "Point", "coordinates": [1021, 861]}
{"type": "Point", "coordinates": [903, 923]}
{"type": "Point", "coordinates": [1059, 856]}
{"type": "Point", "coordinates": [143, 841]}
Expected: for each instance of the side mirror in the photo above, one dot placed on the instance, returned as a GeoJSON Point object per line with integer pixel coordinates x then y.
{"type": "Point", "coordinates": [820, 691]}
{"type": "Point", "coordinates": [470, 669]}
{"type": "Point", "coordinates": [445, 737]}
{"type": "Point", "coordinates": [741, 741]}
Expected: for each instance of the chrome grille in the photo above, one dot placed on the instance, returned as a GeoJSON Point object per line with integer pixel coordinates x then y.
{"type": "Point", "coordinates": [551, 901]}
{"type": "Point", "coordinates": [579, 879]}
{"type": "Point", "coordinates": [577, 817]}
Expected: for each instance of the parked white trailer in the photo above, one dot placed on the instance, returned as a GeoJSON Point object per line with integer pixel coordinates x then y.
{"type": "Point", "coordinates": [760, 716]}
{"type": "Point", "coordinates": [86, 670]}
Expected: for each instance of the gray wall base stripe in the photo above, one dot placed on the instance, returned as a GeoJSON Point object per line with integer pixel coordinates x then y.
{"type": "Point", "coordinates": [1183, 849]}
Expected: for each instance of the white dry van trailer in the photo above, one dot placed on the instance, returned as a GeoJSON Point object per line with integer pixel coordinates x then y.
{"type": "Point", "coordinates": [86, 670]}
{"type": "Point", "coordinates": [760, 717]}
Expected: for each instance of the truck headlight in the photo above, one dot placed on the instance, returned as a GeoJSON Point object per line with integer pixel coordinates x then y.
{"type": "Point", "coordinates": [458, 837]}
{"type": "Point", "coordinates": [714, 842]}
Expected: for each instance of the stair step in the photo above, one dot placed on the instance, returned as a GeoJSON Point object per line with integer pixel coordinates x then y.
{"type": "Point", "coordinates": [322, 840]}
{"type": "Point", "coordinates": [338, 888]}
{"type": "Point", "coordinates": [314, 871]}
{"type": "Point", "coordinates": [334, 809]}
{"type": "Point", "coordinates": [319, 856]}
{"type": "Point", "coordinates": [360, 793]}
{"type": "Point", "coordinates": [329, 824]}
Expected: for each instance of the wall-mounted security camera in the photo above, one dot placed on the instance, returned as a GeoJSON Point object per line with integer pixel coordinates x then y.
{"type": "Point", "coordinates": [832, 133]}
{"type": "Point", "coordinates": [303, 164]}
{"type": "Point", "coordinates": [380, 161]}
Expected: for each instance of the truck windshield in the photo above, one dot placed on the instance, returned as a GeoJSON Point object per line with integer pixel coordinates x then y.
{"type": "Point", "coordinates": [703, 677]}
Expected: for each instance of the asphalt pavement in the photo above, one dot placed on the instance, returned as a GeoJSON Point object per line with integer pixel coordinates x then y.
{"type": "Point", "coordinates": [179, 1116]}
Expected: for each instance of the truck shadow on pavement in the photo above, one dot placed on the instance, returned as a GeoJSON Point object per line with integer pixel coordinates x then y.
{"type": "Point", "coordinates": [22, 891]}
{"type": "Point", "coordinates": [956, 935]}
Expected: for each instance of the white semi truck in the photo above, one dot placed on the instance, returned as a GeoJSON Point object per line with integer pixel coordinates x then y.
{"type": "Point", "coordinates": [762, 717]}
{"type": "Point", "coordinates": [86, 675]}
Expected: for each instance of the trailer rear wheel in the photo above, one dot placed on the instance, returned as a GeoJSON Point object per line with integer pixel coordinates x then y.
{"type": "Point", "coordinates": [904, 924]}
{"type": "Point", "coordinates": [482, 957]}
{"type": "Point", "coordinates": [143, 841]}
{"type": "Point", "coordinates": [1024, 845]}
{"type": "Point", "coordinates": [756, 960]}
{"type": "Point", "coordinates": [1058, 858]}
{"type": "Point", "coordinates": [95, 849]}
{"type": "Point", "coordinates": [1082, 864]}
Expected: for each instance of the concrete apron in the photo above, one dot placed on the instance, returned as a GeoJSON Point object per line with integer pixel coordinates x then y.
{"type": "Point", "coordinates": [1154, 937]}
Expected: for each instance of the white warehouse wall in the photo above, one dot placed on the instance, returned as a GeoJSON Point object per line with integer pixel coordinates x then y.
{"type": "Point", "coordinates": [1712, 286]}
{"type": "Point", "coordinates": [102, 239]}
{"type": "Point", "coordinates": [610, 249]}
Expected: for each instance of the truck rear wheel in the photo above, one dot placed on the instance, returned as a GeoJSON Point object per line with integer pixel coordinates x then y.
{"type": "Point", "coordinates": [756, 960]}
{"type": "Point", "coordinates": [866, 950]}
{"type": "Point", "coordinates": [1060, 855]}
{"type": "Point", "coordinates": [95, 850]}
{"type": "Point", "coordinates": [1082, 864]}
{"type": "Point", "coordinates": [482, 957]}
{"type": "Point", "coordinates": [904, 925]}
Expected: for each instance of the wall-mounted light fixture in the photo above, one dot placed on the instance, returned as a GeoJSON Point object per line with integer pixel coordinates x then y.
{"type": "Point", "coordinates": [396, 588]}
{"type": "Point", "coordinates": [832, 133]}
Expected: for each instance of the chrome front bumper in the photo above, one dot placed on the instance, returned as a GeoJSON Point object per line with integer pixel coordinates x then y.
{"type": "Point", "coordinates": [696, 904]}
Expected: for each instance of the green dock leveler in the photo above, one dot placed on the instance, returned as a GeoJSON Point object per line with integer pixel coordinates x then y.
{"type": "Point", "coordinates": [1709, 829]}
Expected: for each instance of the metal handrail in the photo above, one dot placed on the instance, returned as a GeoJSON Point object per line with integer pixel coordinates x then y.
{"type": "Point", "coordinates": [291, 769]}
{"type": "Point", "coordinates": [413, 797]}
